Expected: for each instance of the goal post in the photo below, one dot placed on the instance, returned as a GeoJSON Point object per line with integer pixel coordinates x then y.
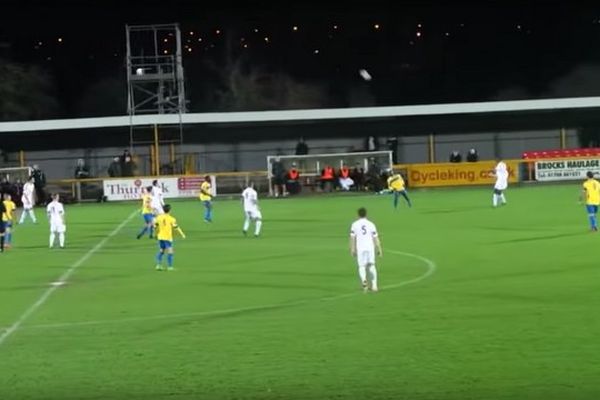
{"type": "Point", "coordinates": [311, 165]}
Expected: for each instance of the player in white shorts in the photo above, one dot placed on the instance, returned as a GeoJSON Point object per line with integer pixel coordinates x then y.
{"type": "Point", "coordinates": [501, 174]}
{"type": "Point", "coordinates": [27, 198]}
{"type": "Point", "coordinates": [251, 211]}
{"type": "Point", "coordinates": [56, 217]}
{"type": "Point", "coordinates": [363, 242]}
{"type": "Point", "coordinates": [157, 198]}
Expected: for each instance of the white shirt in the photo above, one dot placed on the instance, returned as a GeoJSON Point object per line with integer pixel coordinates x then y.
{"type": "Point", "coordinates": [157, 196]}
{"type": "Point", "coordinates": [55, 212]}
{"type": "Point", "coordinates": [501, 171]}
{"type": "Point", "coordinates": [28, 189]}
{"type": "Point", "coordinates": [250, 198]}
{"type": "Point", "coordinates": [363, 231]}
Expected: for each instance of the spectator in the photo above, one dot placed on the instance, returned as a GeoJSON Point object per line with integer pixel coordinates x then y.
{"type": "Point", "coordinates": [301, 148]}
{"type": "Point", "coordinates": [81, 170]}
{"type": "Point", "coordinates": [472, 156]}
{"type": "Point", "coordinates": [18, 187]}
{"type": "Point", "coordinates": [455, 157]}
{"type": "Point", "coordinates": [278, 177]}
{"type": "Point", "coordinates": [293, 180]}
{"type": "Point", "coordinates": [128, 166]}
{"type": "Point", "coordinates": [358, 176]}
{"type": "Point", "coordinates": [6, 187]}
{"type": "Point", "coordinates": [345, 180]}
{"type": "Point", "coordinates": [373, 176]}
{"type": "Point", "coordinates": [327, 178]}
{"type": "Point", "coordinates": [371, 144]}
{"type": "Point", "coordinates": [392, 144]}
{"type": "Point", "coordinates": [39, 182]}
{"type": "Point", "coordinates": [114, 169]}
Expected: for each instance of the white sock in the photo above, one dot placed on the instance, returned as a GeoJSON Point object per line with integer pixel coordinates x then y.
{"type": "Point", "coordinates": [52, 236]}
{"type": "Point", "coordinates": [257, 226]}
{"type": "Point", "coordinates": [246, 224]}
{"type": "Point", "coordinates": [32, 215]}
{"type": "Point", "coordinates": [503, 198]}
{"type": "Point", "coordinates": [61, 239]}
{"type": "Point", "coordinates": [373, 273]}
{"type": "Point", "coordinates": [362, 272]}
{"type": "Point", "coordinates": [22, 219]}
{"type": "Point", "coordinates": [495, 200]}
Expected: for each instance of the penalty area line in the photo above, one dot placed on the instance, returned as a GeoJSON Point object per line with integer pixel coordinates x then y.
{"type": "Point", "coordinates": [46, 295]}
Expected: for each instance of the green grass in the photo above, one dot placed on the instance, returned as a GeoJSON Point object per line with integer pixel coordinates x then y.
{"type": "Point", "coordinates": [510, 312]}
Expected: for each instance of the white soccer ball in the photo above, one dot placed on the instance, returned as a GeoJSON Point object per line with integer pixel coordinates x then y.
{"type": "Point", "coordinates": [364, 74]}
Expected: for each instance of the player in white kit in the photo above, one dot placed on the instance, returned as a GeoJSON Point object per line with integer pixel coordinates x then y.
{"type": "Point", "coordinates": [363, 242]}
{"type": "Point", "coordinates": [27, 198]}
{"type": "Point", "coordinates": [56, 217]}
{"type": "Point", "coordinates": [251, 211]}
{"type": "Point", "coordinates": [157, 198]}
{"type": "Point", "coordinates": [501, 174]}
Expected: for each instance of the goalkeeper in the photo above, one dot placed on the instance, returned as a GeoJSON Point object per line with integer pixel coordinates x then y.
{"type": "Point", "coordinates": [397, 187]}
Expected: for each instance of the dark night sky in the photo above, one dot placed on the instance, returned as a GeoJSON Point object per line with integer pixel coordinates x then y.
{"type": "Point", "coordinates": [423, 51]}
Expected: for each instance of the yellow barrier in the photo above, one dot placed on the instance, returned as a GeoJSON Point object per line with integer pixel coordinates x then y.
{"type": "Point", "coordinates": [456, 174]}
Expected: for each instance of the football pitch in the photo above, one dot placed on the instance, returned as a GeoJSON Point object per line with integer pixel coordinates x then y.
{"type": "Point", "coordinates": [474, 303]}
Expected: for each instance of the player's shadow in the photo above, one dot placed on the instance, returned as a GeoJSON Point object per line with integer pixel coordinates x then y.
{"type": "Point", "coordinates": [294, 220]}
{"type": "Point", "coordinates": [265, 285]}
{"type": "Point", "coordinates": [538, 238]}
{"type": "Point", "coordinates": [453, 210]}
{"type": "Point", "coordinates": [513, 228]}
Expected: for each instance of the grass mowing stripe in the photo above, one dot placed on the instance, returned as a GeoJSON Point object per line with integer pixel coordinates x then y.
{"type": "Point", "coordinates": [429, 265]}
{"type": "Point", "coordinates": [44, 297]}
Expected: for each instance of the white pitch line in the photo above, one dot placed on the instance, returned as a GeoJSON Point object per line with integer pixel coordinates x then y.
{"type": "Point", "coordinates": [429, 264]}
{"type": "Point", "coordinates": [44, 297]}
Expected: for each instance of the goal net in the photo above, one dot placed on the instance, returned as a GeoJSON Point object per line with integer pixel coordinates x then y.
{"type": "Point", "coordinates": [311, 166]}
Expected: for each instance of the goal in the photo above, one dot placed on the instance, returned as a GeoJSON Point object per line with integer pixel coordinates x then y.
{"type": "Point", "coordinates": [16, 175]}
{"type": "Point", "coordinates": [311, 165]}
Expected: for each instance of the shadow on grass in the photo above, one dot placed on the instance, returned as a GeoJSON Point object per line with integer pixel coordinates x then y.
{"type": "Point", "coordinates": [454, 210]}
{"type": "Point", "coordinates": [539, 238]}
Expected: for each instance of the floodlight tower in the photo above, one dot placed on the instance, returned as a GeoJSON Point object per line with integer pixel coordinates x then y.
{"type": "Point", "coordinates": [155, 80]}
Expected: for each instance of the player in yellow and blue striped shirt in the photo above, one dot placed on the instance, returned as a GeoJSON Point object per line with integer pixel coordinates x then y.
{"type": "Point", "coordinates": [591, 191]}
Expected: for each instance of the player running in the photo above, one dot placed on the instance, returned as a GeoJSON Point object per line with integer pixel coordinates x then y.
{"type": "Point", "coordinates": [501, 174]}
{"type": "Point", "coordinates": [28, 201]}
{"type": "Point", "coordinates": [397, 187]}
{"type": "Point", "coordinates": [591, 191]}
{"type": "Point", "coordinates": [147, 213]}
{"type": "Point", "coordinates": [363, 241]}
{"type": "Point", "coordinates": [251, 211]}
{"type": "Point", "coordinates": [206, 198]}
{"type": "Point", "coordinates": [56, 217]}
{"type": "Point", "coordinates": [164, 224]}
{"type": "Point", "coordinates": [7, 218]}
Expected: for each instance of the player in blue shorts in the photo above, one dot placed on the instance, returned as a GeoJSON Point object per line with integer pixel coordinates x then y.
{"type": "Point", "coordinates": [591, 193]}
{"type": "Point", "coordinates": [147, 213]}
{"type": "Point", "coordinates": [165, 224]}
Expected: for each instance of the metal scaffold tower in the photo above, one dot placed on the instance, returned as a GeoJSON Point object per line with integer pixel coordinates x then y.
{"type": "Point", "coordinates": [155, 84]}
